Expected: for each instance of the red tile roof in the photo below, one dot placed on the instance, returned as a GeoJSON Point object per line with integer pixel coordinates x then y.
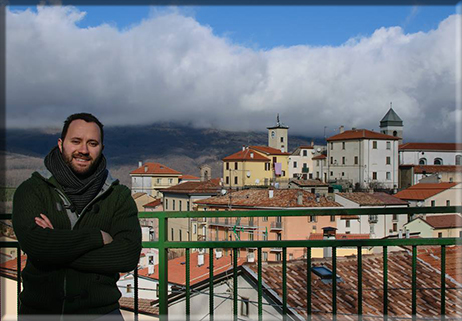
{"type": "Point", "coordinates": [184, 177]}
{"type": "Point", "coordinates": [306, 147]}
{"type": "Point", "coordinates": [309, 182]}
{"type": "Point", "coordinates": [144, 306]}
{"type": "Point", "coordinates": [153, 203]}
{"type": "Point", "coordinates": [338, 236]}
{"type": "Point", "coordinates": [430, 169]}
{"type": "Point", "coordinates": [212, 186]}
{"type": "Point", "coordinates": [423, 191]}
{"type": "Point", "coordinates": [432, 256]}
{"type": "Point", "coordinates": [431, 146]}
{"type": "Point", "coordinates": [9, 268]}
{"type": "Point", "coordinates": [155, 168]}
{"type": "Point", "coordinates": [322, 156]}
{"type": "Point", "coordinates": [138, 194]}
{"type": "Point", "coordinates": [375, 199]}
{"type": "Point", "coordinates": [268, 150]}
{"type": "Point", "coordinates": [177, 268]}
{"type": "Point", "coordinates": [399, 287]}
{"type": "Point", "coordinates": [444, 221]}
{"type": "Point", "coordinates": [257, 198]}
{"type": "Point", "coordinates": [361, 134]}
{"type": "Point", "coordinates": [246, 155]}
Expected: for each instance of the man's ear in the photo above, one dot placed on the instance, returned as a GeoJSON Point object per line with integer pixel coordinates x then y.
{"type": "Point", "coordinates": [60, 144]}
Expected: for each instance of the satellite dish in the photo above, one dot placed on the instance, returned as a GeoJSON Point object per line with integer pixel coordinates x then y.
{"type": "Point", "coordinates": [257, 181]}
{"type": "Point", "coordinates": [223, 192]}
{"type": "Point", "coordinates": [248, 173]}
{"type": "Point", "coordinates": [319, 150]}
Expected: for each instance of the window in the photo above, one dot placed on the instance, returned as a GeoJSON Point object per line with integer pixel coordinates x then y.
{"type": "Point", "coordinates": [187, 206]}
{"type": "Point", "coordinates": [331, 173]}
{"type": "Point", "coordinates": [235, 180]}
{"type": "Point", "coordinates": [170, 180]}
{"type": "Point", "coordinates": [313, 218]}
{"type": "Point", "coordinates": [173, 206]}
{"type": "Point", "coordinates": [317, 174]}
{"type": "Point", "coordinates": [438, 161]}
{"type": "Point", "coordinates": [395, 133]}
{"type": "Point", "coordinates": [244, 307]}
{"type": "Point", "coordinates": [388, 145]}
{"type": "Point", "coordinates": [395, 227]}
{"type": "Point", "coordinates": [295, 164]}
{"type": "Point", "coordinates": [331, 160]}
{"type": "Point", "coordinates": [282, 139]}
{"type": "Point", "coordinates": [265, 219]}
{"type": "Point", "coordinates": [448, 203]}
{"type": "Point", "coordinates": [432, 203]}
{"type": "Point", "coordinates": [343, 173]}
{"type": "Point", "coordinates": [374, 175]}
{"type": "Point", "coordinates": [347, 223]}
{"type": "Point", "coordinates": [194, 229]}
{"type": "Point", "coordinates": [343, 145]}
{"type": "Point", "coordinates": [179, 205]}
{"type": "Point", "coordinates": [440, 234]}
{"type": "Point", "coordinates": [388, 161]}
{"type": "Point", "coordinates": [181, 235]}
{"type": "Point", "coordinates": [172, 234]}
{"type": "Point", "coordinates": [305, 165]}
{"type": "Point", "coordinates": [267, 166]}
{"type": "Point", "coordinates": [331, 146]}
{"type": "Point", "coordinates": [166, 204]}
{"type": "Point", "coordinates": [388, 176]}
{"type": "Point", "coordinates": [458, 159]}
{"type": "Point", "coordinates": [374, 144]}
{"type": "Point", "coordinates": [279, 236]}
{"type": "Point", "coordinates": [278, 256]}
{"type": "Point", "coordinates": [423, 161]}
{"type": "Point", "coordinates": [159, 180]}
{"type": "Point", "coordinates": [332, 218]}
{"type": "Point", "coordinates": [291, 256]}
{"type": "Point", "coordinates": [460, 233]}
{"type": "Point", "coordinates": [227, 179]}
{"type": "Point", "coordinates": [317, 162]}
{"type": "Point", "coordinates": [343, 160]}
{"type": "Point", "coordinates": [283, 173]}
{"type": "Point", "coordinates": [356, 160]}
{"type": "Point", "coordinates": [265, 256]}
{"type": "Point", "coordinates": [250, 235]}
{"type": "Point", "coordinates": [395, 217]}
{"type": "Point", "coordinates": [305, 153]}
{"type": "Point", "coordinates": [227, 166]}
{"type": "Point", "coordinates": [235, 165]}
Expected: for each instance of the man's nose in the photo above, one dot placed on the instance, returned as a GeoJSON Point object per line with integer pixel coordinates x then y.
{"type": "Point", "coordinates": [83, 149]}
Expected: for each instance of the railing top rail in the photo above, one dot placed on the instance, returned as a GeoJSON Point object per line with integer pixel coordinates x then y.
{"type": "Point", "coordinates": [306, 212]}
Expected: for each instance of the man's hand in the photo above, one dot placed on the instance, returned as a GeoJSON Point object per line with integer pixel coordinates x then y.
{"type": "Point", "coordinates": [43, 222]}
{"type": "Point", "coordinates": [106, 237]}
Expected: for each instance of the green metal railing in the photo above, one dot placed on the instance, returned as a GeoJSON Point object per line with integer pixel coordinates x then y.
{"type": "Point", "coordinates": [163, 246]}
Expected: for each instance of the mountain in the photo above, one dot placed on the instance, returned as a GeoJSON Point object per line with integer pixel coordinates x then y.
{"type": "Point", "coordinates": [182, 148]}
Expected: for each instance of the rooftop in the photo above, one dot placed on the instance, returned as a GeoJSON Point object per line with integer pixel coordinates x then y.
{"type": "Point", "coordinates": [212, 186]}
{"type": "Point", "coordinates": [154, 203]}
{"type": "Point", "coordinates": [258, 198]}
{"type": "Point", "coordinates": [375, 199]}
{"type": "Point", "coordinates": [444, 221]}
{"type": "Point", "coordinates": [268, 150]}
{"type": "Point", "coordinates": [155, 168]}
{"type": "Point", "coordinates": [189, 177]}
{"type": "Point", "coordinates": [355, 134]}
{"type": "Point", "coordinates": [422, 191]}
{"type": "Point", "coordinates": [391, 118]}
{"type": "Point", "coordinates": [338, 236]}
{"type": "Point", "coordinates": [321, 156]}
{"type": "Point", "coordinates": [430, 169]}
{"type": "Point", "coordinates": [430, 147]}
{"type": "Point", "coordinates": [309, 182]}
{"type": "Point", "coordinates": [246, 155]}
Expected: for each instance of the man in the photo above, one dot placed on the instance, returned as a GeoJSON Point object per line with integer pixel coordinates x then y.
{"type": "Point", "coordinates": [78, 227]}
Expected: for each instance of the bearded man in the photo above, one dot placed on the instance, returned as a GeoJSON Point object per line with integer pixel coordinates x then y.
{"type": "Point", "coordinates": [78, 227]}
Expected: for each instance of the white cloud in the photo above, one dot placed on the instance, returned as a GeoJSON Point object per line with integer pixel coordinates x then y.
{"type": "Point", "coordinates": [170, 68]}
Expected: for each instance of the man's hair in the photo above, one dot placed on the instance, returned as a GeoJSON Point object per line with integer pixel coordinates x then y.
{"type": "Point", "coordinates": [89, 118]}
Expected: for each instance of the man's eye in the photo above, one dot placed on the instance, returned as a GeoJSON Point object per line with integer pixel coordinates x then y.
{"type": "Point", "coordinates": [93, 144]}
{"type": "Point", "coordinates": [75, 141]}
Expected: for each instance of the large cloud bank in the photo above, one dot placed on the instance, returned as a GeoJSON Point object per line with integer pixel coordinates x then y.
{"type": "Point", "coordinates": [171, 68]}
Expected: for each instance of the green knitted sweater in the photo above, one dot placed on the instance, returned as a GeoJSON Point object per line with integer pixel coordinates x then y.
{"type": "Point", "coordinates": [70, 270]}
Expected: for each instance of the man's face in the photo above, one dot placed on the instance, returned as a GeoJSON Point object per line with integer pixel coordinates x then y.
{"type": "Point", "coordinates": [82, 147]}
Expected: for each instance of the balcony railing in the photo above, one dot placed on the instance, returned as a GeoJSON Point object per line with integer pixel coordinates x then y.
{"type": "Point", "coordinates": [163, 245]}
{"type": "Point", "coordinates": [276, 226]}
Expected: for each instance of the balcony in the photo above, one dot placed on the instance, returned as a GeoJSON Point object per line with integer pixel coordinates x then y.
{"type": "Point", "coordinates": [305, 169]}
{"type": "Point", "coordinates": [276, 226]}
{"type": "Point", "coordinates": [330, 285]}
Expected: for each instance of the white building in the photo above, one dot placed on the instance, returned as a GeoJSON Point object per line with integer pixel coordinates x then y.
{"type": "Point", "coordinates": [430, 154]}
{"type": "Point", "coordinates": [377, 226]}
{"type": "Point", "coordinates": [364, 157]}
{"type": "Point", "coordinates": [432, 194]}
{"type": "Point", "coordinates": [301, 163]}
{"type": "Point", "coordinates": [320, 167]}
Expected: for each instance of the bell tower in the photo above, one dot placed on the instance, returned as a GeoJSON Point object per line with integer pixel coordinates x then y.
{"type": "Point", "coordinates": [278, 136]}
{"type": "Point", "coordinates": [392, 125]}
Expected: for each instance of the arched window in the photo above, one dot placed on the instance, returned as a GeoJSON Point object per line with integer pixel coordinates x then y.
{"type": "Point", "coordinates": [438, 161]}
{"type": "Point", "coordinates": [458, 159]}
{"type": "Point", "coordinates": [395, 133]}
{"type": "Point", "coordinates": [423, 161]}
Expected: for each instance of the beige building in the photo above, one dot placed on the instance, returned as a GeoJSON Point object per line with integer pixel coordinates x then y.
{"type": "Point", "coordinates": [267, 228]}
{"type": "Point", "coordinates": [152, 178]}
{"type": "Point", "coordinates": [301, 162]}
{"type": "Point", "coordinates": [141, 199]}
{"type": "Point", "coordinates": [320, 167]}
{"type": "Point", "coordinates": [432, 194]}
{"type": "Point", "coordinates": [436, 226]}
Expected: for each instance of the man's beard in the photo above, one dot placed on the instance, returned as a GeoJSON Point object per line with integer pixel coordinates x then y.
{"type": "Point", "coordinates": [78, 171]}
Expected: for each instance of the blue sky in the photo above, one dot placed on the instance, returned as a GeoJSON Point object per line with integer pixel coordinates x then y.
{"type": "Point", "coordinates": [235, 68]}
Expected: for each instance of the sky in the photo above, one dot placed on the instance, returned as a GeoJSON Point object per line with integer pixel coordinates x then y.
{"type": "Point", "coordinates": [236, 68]}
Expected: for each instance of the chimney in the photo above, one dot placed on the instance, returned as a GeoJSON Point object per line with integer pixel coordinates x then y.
{"type": "Point", "coordinates": [251, 155]}
{"type": "Point", "coordinates": [150, 264]}
{"type": "Point", "coordinates": [299, 198]}
{"type": "Point", "coordinates": [218, 253]}
{"type": "Point", "coordinates": [312, 143]}
{"type": "Point", "coordinates": [353, 128]}
{"type": "Point", "coordinates": [270, 193]}
{"type": "Point", "coordinates": [140, 163]}
{"type": "Point", "coordinates": [341, 129]}
{"type": "Point", "coordinates": [407, 233]}
{"type": "Point", "coordinates": [200, 259]}
{"type": "Point", "coordinates": [150, 269]}
{"type": "Point", "coordinates": [283, 149]}
{"type": "Point", "coordinates": [317, 197]}
{"type": "Point", "coordinates": [243, 147]}
{"type": "Point", "coordinates": [400, 234]}
{"type": "Point", "coordinates": [145, 168]}
{"type": "Point", "coordinates": [328, 233]}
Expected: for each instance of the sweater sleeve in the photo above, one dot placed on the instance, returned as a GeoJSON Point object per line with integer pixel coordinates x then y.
{"type": "Point", "coordinates": [123, 253]}
{"type": "Point", "coordinates": [52, 246]}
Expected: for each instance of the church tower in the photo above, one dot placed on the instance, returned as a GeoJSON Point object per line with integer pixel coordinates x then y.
{"type": "Point", "coordinates": [278, 136]}
{"type": "Point", "coordinates": [392, 125]}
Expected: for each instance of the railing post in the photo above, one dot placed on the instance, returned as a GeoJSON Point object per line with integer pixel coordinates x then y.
{"type": "Point", "coordinates": [260, 287]}
{"type": "Point", "coordinates": [385, 283]}
{"type": "Point", "coordinates": [19, 272]}
{"type": "Point", "coordinates": [414, 282]}
{"type": "Point", "coordinates": [235, 293]}
{"type": "Point", "coordinates": [135, 281]}
{"type": "Point", "coordinates": [163, 268]}
{"type": "Point", "coordinates": [443, 282]}
{"type": "Point", "coordinates": [308, 283]}
{"type": "Point", "coordinates": [334, 283]}
{"type": "Point", "coordinates": [211, 294]}
{"type": "Point", "coordinates": [360, 283]}
{"type": "Point", "coordinates": [188, 288]}
{"type": "Point", "coordinates": [284, 283]}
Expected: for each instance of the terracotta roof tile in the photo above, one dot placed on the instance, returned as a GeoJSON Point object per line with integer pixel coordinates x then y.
{"type": "Point", "coordinates": [339, 236]}
{"type": "Point", "coordinates": [9, 268]}
{"type": "Point", "coordinates": [154, 168]}
{"type": "Point", "coordinates": [138, 194]}
{"type": "Point", "coordinates": [432, 255]}
{"type": "Point", "coordinates": [375, 199]}
{"type": "Point", "coordinates": [246, 155]}
{"type": "Point", "coordinates": [212, 186]}
{"type": "Point", "coordinates": [444, 221]}
{"type": "Point", "coordinates": [423, 191]}
{"type": "Point", "coordinates": [144, 306]}
{"type": "Point", "coordinates": [260, 198]}
{"type": "Point", "coordinates": [430, 169]}
{"type": "Point", "coordinates": [154, 203]}
{"type": "Point", "coordinates": [177, 268]}
{"type": "Point", "coordinates": [268, 150]}
{"type": "Point", "coordinates": [189, 177]}
{"type": "Point", "coordinates": [322, 156]}
{"type": "Point", "coordinates": [361, 134]}
{"type": "Point", "coordinates": [431, 146]}
{"type": "Point", "coordinates": [309, 182]}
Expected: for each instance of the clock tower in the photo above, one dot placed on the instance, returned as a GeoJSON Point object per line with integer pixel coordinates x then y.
{"type": "Point", "coordinates": [277, 136]}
